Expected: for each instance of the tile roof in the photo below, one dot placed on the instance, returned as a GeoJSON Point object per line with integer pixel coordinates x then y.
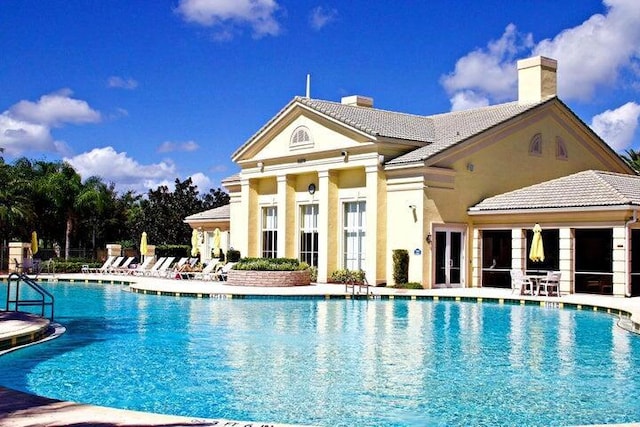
{"type": "Point", "coordinates": [583, 189]}
{"type": "Point", "coordinates": [452, 128]}
{"type": "Point", "coordinates": [436, 132]}
{"type": "Point", "coordinates": [219, 213]}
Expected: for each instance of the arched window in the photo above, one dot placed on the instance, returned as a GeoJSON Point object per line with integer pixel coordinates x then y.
{"type": "Point", "coordinates": [535, 145]}
{"type": "Point", "coordinates": [301, 138]}
{"type": "Point", "coordinates": [561, 149]}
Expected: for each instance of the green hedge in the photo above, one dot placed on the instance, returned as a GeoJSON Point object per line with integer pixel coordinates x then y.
{"type": "Point", "coordinates": [345, 276]}
{"type": "Point", "coordinates": [400, 266]}
{"type": "Point", "coordinates": [271, 264]}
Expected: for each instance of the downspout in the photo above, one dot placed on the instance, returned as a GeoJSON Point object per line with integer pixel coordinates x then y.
{"type": "Point", "coordinates": [627, 231]}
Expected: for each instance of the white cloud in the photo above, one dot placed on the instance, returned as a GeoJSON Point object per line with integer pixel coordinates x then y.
{"type": "Point", "coordinates": [617, 127]}
{"type": "Point", "coordinates": [488, 73]}
{"type": "Point", "coordinates": [55, 109]}
{"type": "Point", "coordinates": [466, 100]}
{"type": "Point", "coordinates": [320, 17]}
{"type": "Point", "coordinates": [26, 126]}
{"type": "Point", "coordinates": [121, 169]}
{"type": "Point", "coordinates": [258, 14]}
{"type": "Point", "coordinates": [203, 182]}
{"type": "Point", "coordinates": [590, 55]}
{"type": "Point", "coordinates": [122, 83]}
{"type": "Point", "coordinates": [169, 146]}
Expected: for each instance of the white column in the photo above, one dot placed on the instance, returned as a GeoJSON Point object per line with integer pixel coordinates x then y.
{"type": "Point", "coordinates": [566, 260]}
{"type": "Point", "coordinates": [476, 258]}
{"type": "Point", "coordinates": [372, 238]}
{"type": "Point", "coordinates": [518, 249]}
{"type": "Point", "coordinates": [620, 244]}
{"type": "Point", "coordinates": [322, 193]}
{"type": "Point", "coordinates": [283, 231]}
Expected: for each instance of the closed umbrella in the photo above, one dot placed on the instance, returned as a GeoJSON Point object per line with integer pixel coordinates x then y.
{"type": "Point", "coordinates": [194, 243]}
{"type": "Point", "coordinates": [34, 243]}
{"type": "Point", "coordinates": [536, 253]}
{"type": "Point", "coordinates": [143, 244]}
{"type": "Point", "coordinates": [216, 243]}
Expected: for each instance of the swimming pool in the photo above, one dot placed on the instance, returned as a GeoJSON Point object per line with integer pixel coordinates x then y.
{"type": "Point", "coordinates": [334, 362]}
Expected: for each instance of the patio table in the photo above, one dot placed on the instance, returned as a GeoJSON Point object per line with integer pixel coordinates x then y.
{"type": "Point", "coordinates": [535, 281]}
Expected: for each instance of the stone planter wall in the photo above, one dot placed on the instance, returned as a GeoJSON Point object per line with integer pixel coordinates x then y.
{"type": "Point", "coordinates": [268, 278]}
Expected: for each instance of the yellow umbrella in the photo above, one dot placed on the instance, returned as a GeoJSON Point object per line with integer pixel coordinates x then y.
{"type": "Point", "coordinates": [536, 253]}
{"type": "Point", "coordinates": [194, 243]}
{"type": "Point", "coordinates": [216, 243]}
{"type": "Point", "coordinates": [143, 244]}
{"type": "Point", "coordinates": [34, 243]}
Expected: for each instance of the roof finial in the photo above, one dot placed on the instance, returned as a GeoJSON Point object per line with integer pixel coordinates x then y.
{"type": "Point", "coordinates": [308, 86]}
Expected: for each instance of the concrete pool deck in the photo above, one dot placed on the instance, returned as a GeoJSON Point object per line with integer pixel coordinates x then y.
{"type": "Point", "coordinates": [19, 409]}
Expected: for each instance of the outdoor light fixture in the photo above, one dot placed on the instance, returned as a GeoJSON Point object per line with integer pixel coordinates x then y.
{"type": "Point", "coordinates": [311, 188]}
{"type": "Point", "coordinates": [261, 166]}
{"type": "Point", "coordinates": [412, 207]}
{"type": "Point", "coordinates": [429, 238]}
{"type": "Point", "coordinates": [345, 155]}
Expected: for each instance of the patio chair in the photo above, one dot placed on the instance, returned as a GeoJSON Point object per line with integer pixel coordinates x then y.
{"type": "Point", "coordinates": [521, 283]}
{"type": "Point", "coordinates": [550, 284]}
{"type": "Point", "coordinates": [154, 267]}
{"type": "Point", "coordinates": [224, 271]}
{"type": "Point", "coordinates": [104, 267]}
{"type": "Point", "coordinates": [207, 272]}
{"type": "Point", "coordinates": [115, 264]}
{"type": "Point", "coordinates": [122, 268]}
{"type": "Point", "coordinates": [141, 268]}
{"type": "Point", "coordinates": [163, 270]}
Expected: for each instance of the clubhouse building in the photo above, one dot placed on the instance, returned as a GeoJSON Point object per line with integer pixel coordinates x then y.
{"type": "Point", "coordinates": [341, 185]}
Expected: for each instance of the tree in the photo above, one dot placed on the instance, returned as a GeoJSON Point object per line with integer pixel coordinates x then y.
{"type": "Point", "coordinates": [214, 199]}
{"type": "Point", "coordinates": [16, 208]}
{"type": "Point", "coordinates": [633, 159]}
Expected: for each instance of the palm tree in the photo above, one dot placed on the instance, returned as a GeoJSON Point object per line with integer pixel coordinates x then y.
{"type": "Point", "coordinates": [632, 158]}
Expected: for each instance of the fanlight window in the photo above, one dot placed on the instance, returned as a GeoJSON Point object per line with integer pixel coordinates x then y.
{"type": "Point", "coordinates": [561, 149]}
{"type": "Point", "coordinates": [535, 145]}
{"type": "Point", "coordinates": [301, 138]}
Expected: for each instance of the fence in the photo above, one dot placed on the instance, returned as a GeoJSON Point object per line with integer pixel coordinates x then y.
{"type": "Point", "coordinates": [48, 253]}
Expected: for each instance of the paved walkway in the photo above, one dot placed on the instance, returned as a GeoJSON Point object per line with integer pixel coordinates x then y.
{"type": "Point", "coordinates": [22, 410]}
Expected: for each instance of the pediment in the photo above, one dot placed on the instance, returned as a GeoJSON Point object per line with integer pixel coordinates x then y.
{"type": "Point", "coordinates": [299, 131]}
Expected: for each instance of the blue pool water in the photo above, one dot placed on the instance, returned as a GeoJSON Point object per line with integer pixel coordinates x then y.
{"type": "Point", "coordinates": [334, 362]}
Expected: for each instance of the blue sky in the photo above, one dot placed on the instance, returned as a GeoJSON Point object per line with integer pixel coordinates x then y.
{"type": "Point", "coordinates": [143, 92]}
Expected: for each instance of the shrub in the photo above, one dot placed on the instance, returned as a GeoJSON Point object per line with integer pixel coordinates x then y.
{"type": "Point", "coordinates": [233, 255]}
{"type": "Point", "coordinates": [400, 266]}
{"type": "Point", "coordinates": [313, 272]}
{"type": "Point", "coordinates": [271, 264]}
{"type": "Point", "coordinates": [345, 276]}
{"type": "Point", "coordinates": [410, 285]}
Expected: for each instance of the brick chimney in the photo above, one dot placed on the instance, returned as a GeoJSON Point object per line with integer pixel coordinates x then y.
{"type": "Point", "coordinates": [537, 79]}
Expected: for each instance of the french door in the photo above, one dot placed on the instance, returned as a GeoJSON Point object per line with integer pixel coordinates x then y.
{"type": "Point", "coordinates": [449, 261]}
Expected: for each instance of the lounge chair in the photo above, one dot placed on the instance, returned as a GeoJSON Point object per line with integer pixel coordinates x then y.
{"type": "Point", "coordinates": [154, 267]}
{"type": "Point", "coordinates": [224, 271]}
{"type": "Point", "coordinates": [115, 264]}
{"type": "Point", "coordinates": [141, 268]}
{"type": "Point", "coordinates": [104, 267]}
{"type": "Point", "coordinates": [521, 283]}
{"type": "Point", "coordinates": [207, 272]}
{"type": "Point", "coordinates": [163, 270]}
{"type": "Point", "coordinates": [181, 262]}
{"type": "Point", "coordinates": [122, 268]}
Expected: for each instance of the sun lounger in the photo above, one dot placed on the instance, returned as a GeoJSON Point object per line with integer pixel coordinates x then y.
{"type": "Point", "coordinates": [141, 268]}
{"type": "Point", "coordinates": [122, 268]}
{"type": "Point", "coordinates": [104, 267]}
{"type": "Point", "coordinates": [155, 266]}
{"type": "Point", "coordinates": [224, 271]}
{"type": "Point", "coordinates": [163, 270]}
{"type": "Point", "coordinates": [206, 273]}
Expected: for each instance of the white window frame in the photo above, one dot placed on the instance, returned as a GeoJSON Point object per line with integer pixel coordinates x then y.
{"type": "Point", "coordinates": [308, 223]}
{"type": "Point", "coordinates": [269, 224]}
{"type": "Point", "coordinates": [354, 225]}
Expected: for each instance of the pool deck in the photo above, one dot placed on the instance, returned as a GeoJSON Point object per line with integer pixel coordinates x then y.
{"type": "Point", "coordinates": [19, 409]}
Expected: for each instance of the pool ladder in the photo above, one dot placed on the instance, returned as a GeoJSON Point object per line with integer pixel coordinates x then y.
{"type": "Point", "coordinates": [44, 299]}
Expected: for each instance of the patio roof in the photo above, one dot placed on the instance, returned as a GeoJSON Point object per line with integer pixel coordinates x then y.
{"type": "Point", "coordinates": [587, 189]}
{"type": "Point", "coordinates": [221, 213]}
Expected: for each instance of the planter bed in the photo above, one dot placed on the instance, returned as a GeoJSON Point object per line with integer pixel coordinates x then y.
{"type": "Point", "coordinates": [268, 278]}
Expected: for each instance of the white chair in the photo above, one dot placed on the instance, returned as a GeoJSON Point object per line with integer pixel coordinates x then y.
{"type": "Point", "coordinates": [141, 268]}
{"type": "Point", "coordinates": [104, 267]}
{"type": "Point", "coordinates": [521, 283]}
{"type": "Point", "coordinates": [124, 267]}
{"type": "Point", "coordinates": [154, 267]}
{"type": "Point", "coordinates": [550, 284]}
{"type": "Point", "coordinates": [114, 265]}
{"type": "Point", "coordinates": [163, 270]}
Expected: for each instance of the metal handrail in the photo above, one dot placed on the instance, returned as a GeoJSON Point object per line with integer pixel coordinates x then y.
{"type": "Point", "coordinates": [16, 302]}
